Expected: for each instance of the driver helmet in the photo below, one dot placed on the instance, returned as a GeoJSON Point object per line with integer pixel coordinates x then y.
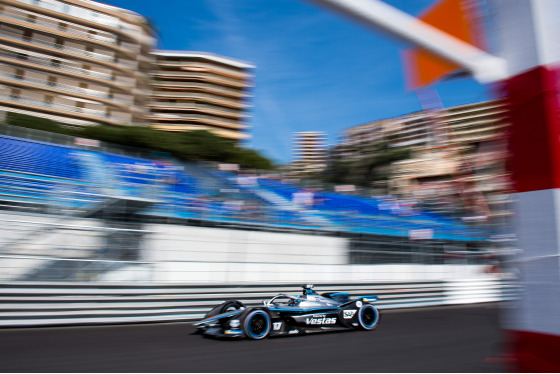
{"type": "Point", "coordinates": [307, 289]}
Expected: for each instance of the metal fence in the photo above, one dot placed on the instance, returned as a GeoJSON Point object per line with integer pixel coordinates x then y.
{"type": "Point", "coordinates": [48, 304]}
{"type": "Point", "coordinates": [402, 250]}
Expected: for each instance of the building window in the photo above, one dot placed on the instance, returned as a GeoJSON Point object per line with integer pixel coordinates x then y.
{"type": "Point", "coordinates": [62, 26]}
{"type": "Point", "coordinates": [55, 63]}
{"type": "Point", "coordinates": [15, 93]}
{"type": "Point", "coordinates": [18, 74]}
{"type": "Point", "coordinates": [80, 106]}
{"type": "Point", "coordinates": [31, 18]}
{"type": "Point", "coordinates": [59, 43]}
{"type": "Point", "coordinates": [27, 35]}
{"type": "Point", "coordinates": [51, 81]}
{"type": "Point", "coordinates": [48, 99]}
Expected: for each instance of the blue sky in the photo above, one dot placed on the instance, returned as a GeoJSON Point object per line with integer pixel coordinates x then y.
{"type": "Point", "coordinates": [315, 70]}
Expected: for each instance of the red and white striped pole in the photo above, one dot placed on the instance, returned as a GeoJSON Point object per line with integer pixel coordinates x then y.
{"type": "Point", "coordinates": [528, 32]}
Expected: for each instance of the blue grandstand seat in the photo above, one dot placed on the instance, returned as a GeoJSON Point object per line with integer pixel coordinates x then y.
{"type": "Point", "coordinates": [37, 158]}
{"type": "Point", "coordinates": [31, 169]}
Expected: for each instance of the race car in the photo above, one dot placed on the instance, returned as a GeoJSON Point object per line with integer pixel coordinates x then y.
{"type": "Point", "coordinates": [290, 315]}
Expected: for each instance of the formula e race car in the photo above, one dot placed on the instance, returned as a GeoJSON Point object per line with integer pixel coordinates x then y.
{"type": "Point", "coordinates": [287, 315]}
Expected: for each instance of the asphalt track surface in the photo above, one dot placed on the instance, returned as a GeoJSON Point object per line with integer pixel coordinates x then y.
{"type": "Point", "coordinates": [448, 339]}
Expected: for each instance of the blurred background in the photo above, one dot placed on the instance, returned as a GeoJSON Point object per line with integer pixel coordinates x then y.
{"type": "Point", "coordinates": [132, 167]}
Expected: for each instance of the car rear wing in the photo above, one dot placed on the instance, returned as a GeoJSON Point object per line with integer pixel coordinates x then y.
{"type": "Point", "coordinates": [368, 298]}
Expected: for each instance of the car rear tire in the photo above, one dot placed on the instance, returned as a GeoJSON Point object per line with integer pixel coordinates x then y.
{"type": "Point", "coordinates": [368, 317]}
{"type": "Point", "coordinates": [257, 324]}
{"type": "Point", "coordinates": [224, 307]}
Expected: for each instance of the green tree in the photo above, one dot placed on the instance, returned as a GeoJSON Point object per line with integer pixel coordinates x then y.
{"type": "Point", "coordinates": [372, 166]}
{"type": "Point", "coordinates": [190, 145]}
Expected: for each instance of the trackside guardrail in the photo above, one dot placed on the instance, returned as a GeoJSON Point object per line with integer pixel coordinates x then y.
{"type": "Point", "coordinates": [49, 304]}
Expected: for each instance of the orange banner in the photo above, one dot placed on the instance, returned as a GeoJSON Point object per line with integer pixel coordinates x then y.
{"type": "Point", "coordinates": [457, 18]}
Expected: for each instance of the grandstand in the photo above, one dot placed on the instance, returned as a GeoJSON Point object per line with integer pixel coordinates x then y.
{"type": "Point", "coordinates": [126, 192]}
{"type": "Point", "coordinates": [31, 172]}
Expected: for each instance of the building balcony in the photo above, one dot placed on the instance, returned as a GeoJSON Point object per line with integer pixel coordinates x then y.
{"type": "Point", "coordinates": [202, 86]}
{"type": "Point", "coordinates": [49, 47]}
{"type": "Point", "coordinates": [83, 52]}
{"type": "Point", "coordinates": [45, 64]}
{"type": "Point", "coordinates": [62, 109]}
{"type": "Point", "coordinates": [205, 97]}
{"type": "Point", "coordinates": [490, 130]}
{"type": "Point", "coordinates": [309, 149]}
{"type": "Point", "coordinates": [39, 25]}
{"type": "Point", "coordinates": [217, 121]}
{"type": "Point", "coordinates": [480, 124]}
{"type": "Point", "coordinates": [204, 76]}
{"type": "Point", "coordinates": [409, 143]}
{"type": "Point", "coordinates": [462, 116]}
{"type": "Point", "coordinates": [473, 138]}
{"type": "Point", "coordinates": [77, 14]}
{"type": "Point", "coordinates": [64, 8]}
{"type": "Point", "coordinates": [229, 134]}
{"type": "Point", "coordinates": [46, 61]}
{"type": "Point", "coordinates": [311, 144]}
{"type": "Point", "coordinates": [44, 85]}
{"type": "Point", "coordinates": [309, 152]}
{"type": "Point", "coordinates": [195, 106]}
{"type": "Point", "coordinates": [310, 160]}
{"type": "Point", "coordinates": [205, 67]}
{"type": "Point", "coordinates": [415, 128]}
{"type": "Point", "coordinates": [53, 25]}
{"type": "Point", "coordinates": [475, 107]}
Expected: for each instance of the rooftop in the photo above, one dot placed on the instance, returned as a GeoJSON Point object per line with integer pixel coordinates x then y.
{"type": "Point", "coordinates": [206, 55]}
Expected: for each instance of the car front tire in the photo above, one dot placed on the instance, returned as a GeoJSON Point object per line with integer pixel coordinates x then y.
{"type": "Point", "coordinates": [257, 324]}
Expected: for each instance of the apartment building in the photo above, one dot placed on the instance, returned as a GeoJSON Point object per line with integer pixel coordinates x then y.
{"type": "Point", "coordinates": [355, 141]}
{"type": "Point", "coordinates": [473, 123]}
{"type": "Point", "coordinates": [75, 61]}
{"type": "Point", "coordinates": [200, 91]}
{"type": "Point", "coordinates": [463, 126]}
{"type": "Point", "coordinates": [467, 136]}
{"type": "Point", "coordinates": [309, 152]}
{"type": "Point", "coordinates": [457, 151]}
